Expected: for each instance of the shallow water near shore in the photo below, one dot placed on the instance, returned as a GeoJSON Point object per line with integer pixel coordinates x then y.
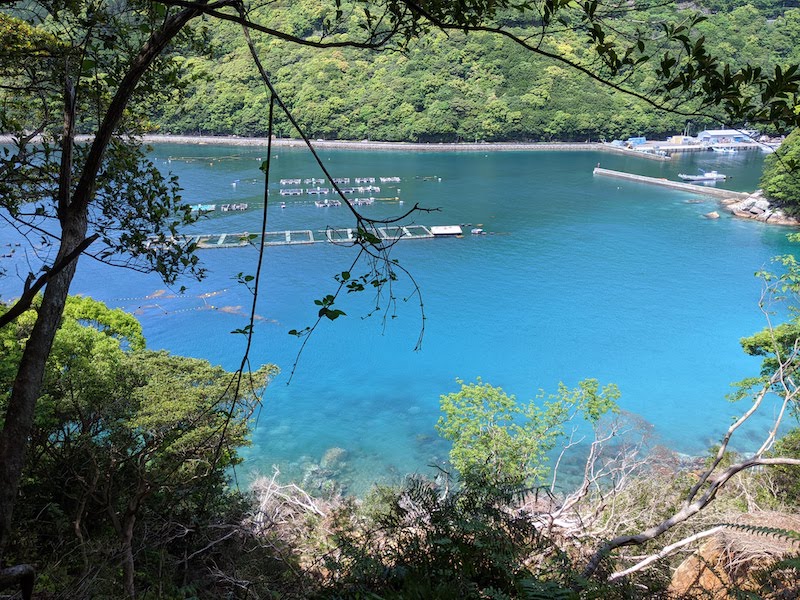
{"type": "Point", "coordinates": [578, 276]}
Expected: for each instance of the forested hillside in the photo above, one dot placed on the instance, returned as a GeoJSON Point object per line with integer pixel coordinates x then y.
{"type": "Point", "coordinates": [454, 87]}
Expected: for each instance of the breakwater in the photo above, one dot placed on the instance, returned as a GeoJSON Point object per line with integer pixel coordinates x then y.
{"type": "Point", "coordinates": [706, 190]}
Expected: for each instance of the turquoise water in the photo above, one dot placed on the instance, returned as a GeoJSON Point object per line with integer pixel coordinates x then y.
{"type": "Point", "coordinates": [578, 277]}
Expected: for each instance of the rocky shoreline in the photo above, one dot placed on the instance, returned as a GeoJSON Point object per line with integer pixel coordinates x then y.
{"type": "Point", "coordinates": [372, 145]}
{"type": "Point", "coordinates": [233, 140]}
{"type": "Point", "coordinates": [756, 207]}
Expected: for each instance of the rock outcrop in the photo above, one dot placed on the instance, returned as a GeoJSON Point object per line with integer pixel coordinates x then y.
{"type": "Point", "coordinates": [702, 574]}
{"type": "Point", "coordinates": [759, 208]}
{"type": "Point", "coordinates": [743, 558]}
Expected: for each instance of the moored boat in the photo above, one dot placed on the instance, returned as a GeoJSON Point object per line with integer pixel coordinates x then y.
{"type": "Point", "coordinates": [705, 176]}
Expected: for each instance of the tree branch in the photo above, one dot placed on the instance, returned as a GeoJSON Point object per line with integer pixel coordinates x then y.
{"type": "Point", "coordinates": [30, 291]}
{"type": "Point", "coordinates": [664, 552]}
{"type": "Point", "coordinates": [153, 48]}
{"type": "Point", "coordinates": [685, 513]}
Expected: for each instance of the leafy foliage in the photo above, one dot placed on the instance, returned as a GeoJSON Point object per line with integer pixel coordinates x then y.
{"type": "Point", "coordinates": [452, 86]}
{"type": "Point", "coordinates": [779, 344]}
{"type": "Point", "coordinates": [130, 450]}
{"type": "Point", "coordinates": [424, 541]}
{"type": "Point", "coordinates": [786, 484]}
{"type": "Point", "coordinates": [780, 179]}
{"type": "Point", "coordinates": [497, 441]}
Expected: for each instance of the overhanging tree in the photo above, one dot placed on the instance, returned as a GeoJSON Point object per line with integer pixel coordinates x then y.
{"type": "Point", "coordinates": [780, 180]}
{"type": "Point", "coordinates": [92, 67]}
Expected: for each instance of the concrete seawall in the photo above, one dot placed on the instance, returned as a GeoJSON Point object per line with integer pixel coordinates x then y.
{"type": "Point", "coordinates": [705, 190]}
{"type": "Point", "coordinates": [374, 145]}
{"type": "Point", "coordinates": [407, 146]}
{"type": "Point", "coordinates": [390, 146]}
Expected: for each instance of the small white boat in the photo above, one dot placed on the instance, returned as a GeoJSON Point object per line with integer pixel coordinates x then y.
{"type": "Point", "coordinates": [705, 176]}
{"type": "Point", "coordinates": [478, 231]}
{"type": "Point", "coordinates": [723, 150]}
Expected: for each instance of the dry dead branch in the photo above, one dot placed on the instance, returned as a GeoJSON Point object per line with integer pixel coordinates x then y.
{"type": "Point", "coordinates": [716, 475]}
{"type": "Point", "coordinates": [278, 504]}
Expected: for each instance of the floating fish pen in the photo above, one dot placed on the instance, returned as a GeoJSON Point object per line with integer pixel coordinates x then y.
{"type": "Point", "coordinates": [405, 232]}
{"type": "Point", "coordinates": [326, 203]}
{"type": "Point", "coordinates": [340, 236]}
{"type": "Point", "coordinates": [361, 201]}
{"type": "Point", "coordinates": [203, 208]}
{"type": "Point", "coordinates": [317, 191]}
{"type": "Point", "coordinates": [388, 234]}
{"type": "Point", "coordinates": [360, 189]}
{"type": "Point", "coordinates": [292, 192]}
{"type": "Point", "coordinates": [338, 180]}
{"type": "Point", "coordinates": [288, 238]}
{"type": "Point", "coordinates": [234, 207]}
{"type": "Point", "coordinates": [222, 240]}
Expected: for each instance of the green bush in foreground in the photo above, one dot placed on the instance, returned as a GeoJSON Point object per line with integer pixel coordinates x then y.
{"type": "Point", "coordinates": [129, 458]}
{"type": "Point", "coordinates": [496, 439]}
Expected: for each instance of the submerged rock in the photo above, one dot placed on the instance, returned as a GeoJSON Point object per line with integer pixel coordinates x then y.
{"type": "Point", "coordinates": [712, 215]}
{"type": "Point", "coordinates": [334, 458]}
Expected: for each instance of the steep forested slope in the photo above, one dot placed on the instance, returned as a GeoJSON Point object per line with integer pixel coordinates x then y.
{"type": "Point", "coordinates": [448, 87]}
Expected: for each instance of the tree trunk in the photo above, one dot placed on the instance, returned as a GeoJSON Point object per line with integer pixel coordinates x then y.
{"type": "Point", "coordinates": [73, 216]}
{"type": "Point", "coordinates": [19, 414]}
{"type": "Point", "coordinates": [128, 565]}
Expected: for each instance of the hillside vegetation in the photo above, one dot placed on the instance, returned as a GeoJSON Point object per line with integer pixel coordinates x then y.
{"type": "Point", "coordinates": [446, 88]}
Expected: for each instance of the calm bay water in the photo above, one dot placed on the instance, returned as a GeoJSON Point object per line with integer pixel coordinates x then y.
{"type": "Point", "coordinates": [578, 277]}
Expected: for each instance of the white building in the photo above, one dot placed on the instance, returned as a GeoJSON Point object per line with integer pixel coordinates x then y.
{"type": "Point", "coordinates": [726, 136]}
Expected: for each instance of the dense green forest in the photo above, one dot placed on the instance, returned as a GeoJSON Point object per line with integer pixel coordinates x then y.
{"type": "Point", "coordinates": [448, 87]}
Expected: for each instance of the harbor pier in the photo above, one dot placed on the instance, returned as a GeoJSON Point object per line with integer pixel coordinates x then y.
{"type": "Point", "coordinates": [706, 190]}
